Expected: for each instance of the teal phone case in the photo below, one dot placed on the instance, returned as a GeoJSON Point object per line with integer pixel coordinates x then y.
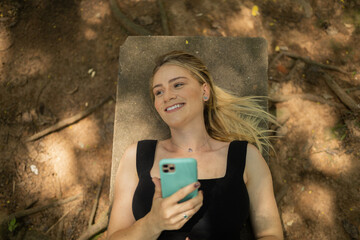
{"type": "Point", "coordinates": [184, 172]}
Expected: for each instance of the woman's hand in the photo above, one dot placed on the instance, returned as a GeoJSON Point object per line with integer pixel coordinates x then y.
{"type": "Point", "coordinates": [167, 213]}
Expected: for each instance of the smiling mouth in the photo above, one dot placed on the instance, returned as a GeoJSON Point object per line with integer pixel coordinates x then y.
{"type": "Point", "coordinates": [173, 107]}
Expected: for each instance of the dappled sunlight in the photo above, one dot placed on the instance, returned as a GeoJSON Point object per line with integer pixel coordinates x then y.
{"type": "Point", "coordinates": [323, 144]}
{"type": "Point", "coordinates": [84, 134]}
{"type": "Point", "coordinates": [56, 152]}
{"type": "Point", "coordinates": [32, 62]}
{"type": "Point", "coordinates": [59, 152]}
{"type": "Point", "coordinates": [62, 158]}
{"type": "Point", "coordinates": [95, 13]}
{"type": "Point", "coordinates": [52, 160]}
{"type": "Point", "coordinates": [330, 163]}
{"type": "Point", "coordinates": [90, 34]}
{"type": "Point", "coordinates": [243, 23]}
{"type": "Point", "coordinates": [308, 114]}
{"type": "Point", "coordinates": [317, 202]}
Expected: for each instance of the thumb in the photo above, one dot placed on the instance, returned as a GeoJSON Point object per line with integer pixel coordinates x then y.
{"type": "Point", "coordinates": [157, 183]}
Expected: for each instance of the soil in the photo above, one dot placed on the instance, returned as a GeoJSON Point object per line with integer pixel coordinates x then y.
{"type": "Point", "coordinates": [58, 58]}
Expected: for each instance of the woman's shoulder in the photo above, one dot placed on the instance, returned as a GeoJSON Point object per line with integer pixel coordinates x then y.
{"type": "Point", "coordinates": [132, 148]}
{"type": "Point", "coordinates": [255, 163]}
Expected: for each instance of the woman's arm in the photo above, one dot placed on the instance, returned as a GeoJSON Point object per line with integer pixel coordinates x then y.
{"type": "Point", "coordinates": [264, 213]}
{"type": "Point", "coordinates": [165, 213]}
{"type": "Point", "coordinates": [122, 224]}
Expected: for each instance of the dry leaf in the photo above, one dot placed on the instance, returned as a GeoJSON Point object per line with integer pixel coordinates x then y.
{"type": "Point", "coordinates": [255, 10]}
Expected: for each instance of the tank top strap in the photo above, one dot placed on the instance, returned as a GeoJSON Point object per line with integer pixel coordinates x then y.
{"type": "Point", "coordinates": [236, 158]}
{"type": "Point", "coordinates": [145, 155]}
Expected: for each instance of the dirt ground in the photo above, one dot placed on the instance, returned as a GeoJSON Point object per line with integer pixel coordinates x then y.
{"type": "Point", "coordinates": [59, 58]}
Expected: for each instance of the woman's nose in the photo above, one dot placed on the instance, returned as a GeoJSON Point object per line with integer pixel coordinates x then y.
{"type": "Point", "coordinates": [169, 95]}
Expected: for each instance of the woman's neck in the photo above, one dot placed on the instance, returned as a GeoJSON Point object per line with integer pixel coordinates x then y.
{"type": "Point", "coordinates": [194, 139]}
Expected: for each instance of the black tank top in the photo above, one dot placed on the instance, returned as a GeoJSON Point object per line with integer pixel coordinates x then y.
{"type": "Point", "coordinates": [225, 210]}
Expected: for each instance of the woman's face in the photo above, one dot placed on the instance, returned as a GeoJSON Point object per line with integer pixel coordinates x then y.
{"type": "Point", "coordinates": [178, 96]}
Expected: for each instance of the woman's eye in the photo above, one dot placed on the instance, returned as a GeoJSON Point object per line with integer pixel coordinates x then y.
{"type": "Point", "coordinates": [157, 93]}
{"type": "Point", "coordinates": [178, 85]}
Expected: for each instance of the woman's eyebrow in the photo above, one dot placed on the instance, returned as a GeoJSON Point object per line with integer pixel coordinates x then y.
{"type": "Point", "coordinates": [170, 81]}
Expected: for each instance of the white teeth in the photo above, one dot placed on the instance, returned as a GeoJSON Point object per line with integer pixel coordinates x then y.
{"type": "Point", "coordinates": [173, 107]}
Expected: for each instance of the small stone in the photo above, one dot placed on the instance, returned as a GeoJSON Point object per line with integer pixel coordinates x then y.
{"type": "Point", "coordinates": [26, 117]}
{"type": "Point", "coordinates": [34, 169]}
{"type": "Point", "coordinates": [331, 30]}
{"type": "Point", "coordinates": [290, 223]}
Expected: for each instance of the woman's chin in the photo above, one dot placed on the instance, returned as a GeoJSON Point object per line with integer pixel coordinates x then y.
{"type": "Point", "coordinates": [175, 123]}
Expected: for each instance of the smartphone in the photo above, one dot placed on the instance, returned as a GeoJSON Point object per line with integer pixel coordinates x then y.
{"type": "Point", "coordinates": [176, 173]}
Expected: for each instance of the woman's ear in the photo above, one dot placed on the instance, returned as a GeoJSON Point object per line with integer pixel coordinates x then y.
{"type": "Point", "coordinates": [206, 92]}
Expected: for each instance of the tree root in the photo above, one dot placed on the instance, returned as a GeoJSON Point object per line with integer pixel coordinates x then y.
{"type": "Point", "coordinates": [97, 227]}
{"type": "Point", "coordinates": [309, 61]}
{"type": "Point", "coordinates": [98, 191]}
{"type": "Point", "coordinates": [343, 96]}
{"type": "Point", "coordinates": [66, 122]}
{"type": "Point", "coordinates": [164, 21]}
{"type": "Point", "coordinates": [130, 26]}
{"type": "Point", "coordinates": [27, 212]}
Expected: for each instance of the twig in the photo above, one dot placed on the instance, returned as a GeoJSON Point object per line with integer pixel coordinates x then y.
{"type": "Point", "coordinates": [98, 191]}
{"type": "Point", "coordinates": [352, 89]}
{"type": "Point", "coordinates": [280, 54]}
{"type": "Point", "coordinates": [27, 212]}
{"type": "Point", "coordinates": [126, 22]}
{"type": "Point", "coordinates": [344, 97]}
{"type": "Point", "coordinates": [164, 21]}
{"type": "Point", "coordinates": [305, 96]}
{"type": "Point", "coordinates": [60, 231]}
{"type": "Point", "coordinates": [309, 61]}
{"type": "Point", "coordinates": [66, 122]}
{"type": "Point", "coordinates": [60, 219]}
{"type": "Point", "coordinates": [72, 91]}
{"type": "Point", "coordinates": [97, 227]}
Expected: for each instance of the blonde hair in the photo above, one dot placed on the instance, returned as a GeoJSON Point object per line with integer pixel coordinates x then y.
{"type": "Point", "coordinates": [227, 117]}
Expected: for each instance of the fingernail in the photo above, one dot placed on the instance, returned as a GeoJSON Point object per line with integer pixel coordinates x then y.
{"type": "Point", "coordinates": [197, 185]}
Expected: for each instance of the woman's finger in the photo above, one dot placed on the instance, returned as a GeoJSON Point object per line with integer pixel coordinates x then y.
{"type": "Point", "coordinates": [183, 192]}
{"type": "Point", "coordinates": [193, 203]}
{"type": "Point", "coordinates": [157, 183]}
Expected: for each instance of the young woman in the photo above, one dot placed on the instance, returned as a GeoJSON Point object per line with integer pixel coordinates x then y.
{"type": "Point", "coordinates": [218, 130]}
